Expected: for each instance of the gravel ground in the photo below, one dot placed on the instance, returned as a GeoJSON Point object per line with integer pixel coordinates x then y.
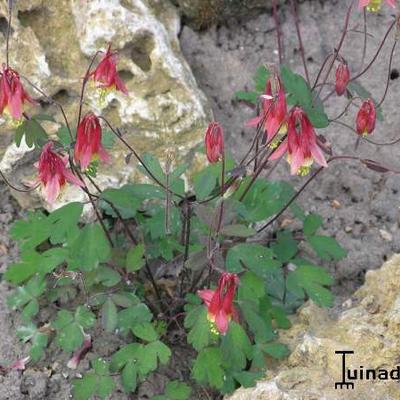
{"type": "Point", "coordinates": [224, 59]}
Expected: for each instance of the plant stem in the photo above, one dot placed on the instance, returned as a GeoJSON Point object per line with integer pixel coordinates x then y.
{"type": "Point", "coordinates": [10, 5]}
{"type": "Point", "coordinates": [140, 159]}
{"type": "Point", "coordinates": [296, 21]}
{"type": "Point", "coordinates": [278, 30]}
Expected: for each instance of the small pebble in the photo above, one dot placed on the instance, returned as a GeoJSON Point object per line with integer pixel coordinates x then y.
{"type": "Point", "coordinates": [386, 235]}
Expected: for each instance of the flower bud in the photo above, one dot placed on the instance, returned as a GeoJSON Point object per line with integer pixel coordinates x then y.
{"type": "Point", "coordinates": [342, 78]}
{"type": "Point", "coordinates": [214, 142]}
{"type": "Point", "coordinates": [366, 118]}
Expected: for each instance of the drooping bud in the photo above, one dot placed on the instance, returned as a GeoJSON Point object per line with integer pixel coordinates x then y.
{"type": "Point", "coordinates": [342, 78]}
{"type": "Point", "coordinates": [214, 142]}
{"type": "Point", "coordinates": [88, 145]}
{"type": "Point", "coordinates": [366, 118]}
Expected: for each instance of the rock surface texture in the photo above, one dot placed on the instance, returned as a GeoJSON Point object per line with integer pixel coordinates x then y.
{"type": "Point", "coordinates": [52, 43]}
{"type": "Point", "coordinates": [367, 323]}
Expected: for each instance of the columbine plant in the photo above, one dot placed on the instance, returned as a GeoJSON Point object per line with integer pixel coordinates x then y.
{"type": "Point", "coordinates": [164, 263]}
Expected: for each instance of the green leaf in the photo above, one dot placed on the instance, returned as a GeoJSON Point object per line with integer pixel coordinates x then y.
{"type": "Point", "coordinates": [248, 379]}
{"type": "Point", "coordinates": [285, 246]}
{"type": "Point", "coordinates": [261, 327]}
{"type": "Point", "coordinates": [131, 316]}
{"type": "Point", "coordinates": [43, 117]}
{"type": "Point", "coordinates": [85, 388]}
{"type": "Point", "coordinates": [107, 276]}
{"type": "Point", "coordinates": [64, 222]}
{"type": "Point", "coordinates": [123, 200]}
{"type": "Point", "coordinates": [204, 183]}
{"type": "Point", "coordinates": [238, 230]}
{"type": "Point", "coordinates": [32, 231]}
{"type": "Point", "coordinates": [261, 77]}
{"type": "Point", "coordinates": [255, 257]}
{"type": "Point", "coordinates": [33, 131]}
{"type": "Point", "coordinates": [200, 333]}
{"type": "Point", "coordinates": [135, 258]}
{"type": "Point", "coordinates": [311, 280]}
{"type": "Point", "coordinates": [84, 317]}
{"type": "Point", "coordinates": [236, 348]}
{"type": "Point", "coordinates": [70, 327]}
{"type": "Point", "coordinates": [145, 331]}
{"type": "Point", "coordinates": [98, 384]}
{"type": "Point", "coordinates": [276, 350]}
{"type": "Point", "coordinates": [89, 248]}
{"type": "Point", "coordinates": [150, 354]}
{"type": "Point", "coordinates": [125, 299]}
{"type": "Point", "coordinates": [311, 224]}
{"type": "Point", "coordinates": [38, 340]}
{"type": "Point", "coordinates": [299, 93]}
{"type": "Point", "coordinates": [129, 377]}
{"type": "Point", "coordinates": [176, 390]}
{"type": "Point", "coordinates": [154, 166]}
{"type": "Point", "coordinates": [251, 286]}
{"type": "Point", "coordinates": [64, 136]}
{"type": "Point", "coordinates": [327, 247]}
{"type": "Point", "coordinates": [251, 97]}
{"type": "Point", "coordinates": [207, 368]}
{"type": "Point", "coordinates": [108, 139]}
{"type": "Point", "coordinates": [109, 316]}
{"type": "Point", "coordinates": [124, 355]}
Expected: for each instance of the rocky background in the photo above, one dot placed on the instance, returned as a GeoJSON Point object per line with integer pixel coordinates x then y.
{"type": "Point", "coordinates": [176, 74]}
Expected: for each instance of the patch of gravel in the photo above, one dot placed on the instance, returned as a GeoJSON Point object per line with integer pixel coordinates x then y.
{"type": "Point", "coordinates": [224, 60]}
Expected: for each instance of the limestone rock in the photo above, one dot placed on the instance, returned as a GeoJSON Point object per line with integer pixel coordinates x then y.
{"type": "Point", "coordinates": [53, 42]}
{"type": "Point", "coordinates": [203, 13]}
{"type": "Point", "coordinates": [368, 324]}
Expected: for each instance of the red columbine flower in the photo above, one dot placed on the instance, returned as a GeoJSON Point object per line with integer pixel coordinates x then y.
{"type": "Point", "coordinates": [375, 5]}
{"type": "Point", "coordinates": [53, 173]}
{"type": "Point", "coordinates": [214, 142]}
{"type": "Point", "coordinates": [274, 109]}
{"type": "Point", "coordinates": [12, 93]}
{"type": "Point", "coordinates": [220, 301]}
{"type": "Point", "coordinates": [342, 78]}
{"type": "Point", "coordinates": [106, 74]}
{"type": "Point", "coordinates": [301, 144]}
{"type": "Point", "coordinates": [88, 145]}
{"type": "Point", "coordinates": [366, 118]}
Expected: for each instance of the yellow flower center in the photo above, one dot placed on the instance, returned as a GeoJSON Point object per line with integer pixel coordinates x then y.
{"type": "Point", "coordinates": [10, 121]}
{"type": "Point", "coordinates": [374, 5]}
{"type": "Point", "coordinates": [278, 137]}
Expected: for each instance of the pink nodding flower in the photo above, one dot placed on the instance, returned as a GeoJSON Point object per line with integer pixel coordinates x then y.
{"type": "Point", "coordinates": [214, 142]}
{"type": "Point", "coordinates": [88, 145]}
{"type": "Point", "coordinates": [375, 5]}
{"type": "Point", "coordinates": [220, 301]}
{"type": "Point", "coordinates": [342, 78]}
{"type": "Point", "coordinates": [274, 109]}
{"type": "Point", "coordinates": [53, 173]}
{"type": "Point", "coordinates": [106, 73]}
{"type": "Point", "coordinates": [366, 118]}
{"type": "Point", "coordinates": [300, 144]}
{"type": "Point", "coordinates": [12, 93]}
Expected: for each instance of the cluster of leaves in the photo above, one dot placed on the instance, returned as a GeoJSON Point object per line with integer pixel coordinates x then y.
{"type": "Point", "coordinates": [96, 285]}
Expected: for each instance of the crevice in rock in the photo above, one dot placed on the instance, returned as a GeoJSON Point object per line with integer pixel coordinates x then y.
{"type": "Point", "coordinates": [140, 50]}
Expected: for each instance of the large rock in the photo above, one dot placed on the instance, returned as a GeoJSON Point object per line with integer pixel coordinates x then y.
{"type": "Point", "coordinates": [52, 44]}
{"type": "Point", "coordinates": [202, 13]}
{"type": "Point", "coordinates": [368, 324]}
